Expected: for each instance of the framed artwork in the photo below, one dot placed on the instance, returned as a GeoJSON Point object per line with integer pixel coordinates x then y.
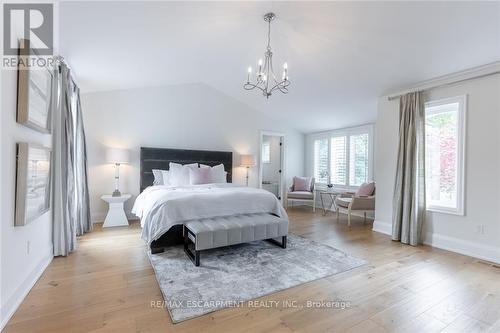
{"type": "Point", "coordinates": [32, 182]}
{"type": "Point", "coordinates": [34, 90]}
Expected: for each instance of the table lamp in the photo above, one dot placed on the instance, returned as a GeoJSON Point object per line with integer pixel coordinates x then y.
{"type": "Point", "coordinates": [247, 161]}
{"type": "Point", "coordinates": [117, 156]}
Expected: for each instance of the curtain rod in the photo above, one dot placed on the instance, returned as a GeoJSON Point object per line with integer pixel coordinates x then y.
{"type": "Point", "coordinates": [390, 98]}
{"type": "Point", "coordinates": [60, 60]}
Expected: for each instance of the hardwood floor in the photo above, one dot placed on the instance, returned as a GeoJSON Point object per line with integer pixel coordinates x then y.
{"type": "Point", "coordinates": [108, 285]}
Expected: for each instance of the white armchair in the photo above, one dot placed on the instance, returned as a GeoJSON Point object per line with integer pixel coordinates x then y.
{"type": "Point", "coordinates": [358, 202]}
{"type": "Point", "coordinates": [302, 196]}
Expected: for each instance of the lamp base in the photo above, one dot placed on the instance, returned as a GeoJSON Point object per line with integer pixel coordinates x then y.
{"type": "Point", "coordinates": [117, 193]}
{"type": "Point", "coordinates": [248, 168]}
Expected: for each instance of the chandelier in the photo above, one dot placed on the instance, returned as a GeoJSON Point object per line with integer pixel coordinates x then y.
{"type": "Point", "coordinates": [265, 79]}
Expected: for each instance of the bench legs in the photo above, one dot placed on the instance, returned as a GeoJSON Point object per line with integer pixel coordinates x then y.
{"type": "Point", "coordinates": [195, 257]}
{"type": "Point", "coordinates": [282, 244]}
{"type": "Point", "coordinates": [155, 250]}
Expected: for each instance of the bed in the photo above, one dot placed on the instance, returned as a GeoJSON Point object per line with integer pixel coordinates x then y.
{"type": "Point", "coordinates": [164, 210]}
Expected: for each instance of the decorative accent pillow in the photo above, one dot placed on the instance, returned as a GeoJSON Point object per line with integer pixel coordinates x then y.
{"type": "Point", "coordinates": [366, 189]}
{"type": "Point", "coordinates": [158, 174]}
{"type": "Point", "coordinates": [217, 173]}
{"type": "Point", "coordinates": [199, 176]}
{"type": "Point", "coordinates": [302, 184]}
{"type": "Point", "coordinates": [179, 174]}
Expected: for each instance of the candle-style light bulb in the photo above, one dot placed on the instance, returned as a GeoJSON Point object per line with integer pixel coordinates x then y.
{"type": "Point", "coordinates": [249, 69]}
{"type": "Point", "coordinates": [260, 66]}
{"type": "Point", "coordinates": [249, 72]}
{"type": "Point", "coordinates": [285, 66]}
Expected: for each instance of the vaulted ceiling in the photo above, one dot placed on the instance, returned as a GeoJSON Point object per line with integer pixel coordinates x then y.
{"type": "Point", "coordinates": [341, 55]}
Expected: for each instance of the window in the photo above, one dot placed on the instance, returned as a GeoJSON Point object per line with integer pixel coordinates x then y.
{"type": "Point", "coordinates": [321, 160]}
{"type": "Point", "coordinates": [343, 157]}
{"type": "Point", "coordinates": [358, 162]}
{"type": "Point", "coordinates": [266, 152]}
{"type": "Point", "coordinates": [444, 154]}
{"type": "Point", "coordinates": [338, 165]}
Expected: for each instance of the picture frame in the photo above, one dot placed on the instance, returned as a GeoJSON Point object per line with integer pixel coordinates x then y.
{"type": "Point", "coordinates": [34, 91]}
{"type": "Point", "coordinates": [33, 187]}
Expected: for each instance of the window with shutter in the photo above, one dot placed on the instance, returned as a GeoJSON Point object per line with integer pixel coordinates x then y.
{"type": "Point", "coordinates": [338, 161]}
{"type": "Point", "coordinates": [358, 159]}
{"type": "Point", "coordinates": [343, 157]}
{"type": "Point", "coordinates": [321, 160]}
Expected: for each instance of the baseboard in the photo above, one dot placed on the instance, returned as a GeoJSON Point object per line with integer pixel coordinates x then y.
{"type": "Point", "coordinates": [471, 249]}
{"type": "Point", "coordinates": [468, 248]}
{"type": "Point", "coordinates": [382, 227]}
{"type": "Point", "coordinates": [11, 305]}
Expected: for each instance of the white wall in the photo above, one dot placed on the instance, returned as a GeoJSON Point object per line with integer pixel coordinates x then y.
{"type": "Point", "coordinates": [482, 181]}
{"type": "Point", "coordinates": [19, 269]}
{"type": "Point", "coordinates": [191, 116]}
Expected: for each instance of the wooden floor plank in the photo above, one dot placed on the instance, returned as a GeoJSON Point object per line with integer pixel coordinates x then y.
{"type": "Point", "coordinates": [108, 285]}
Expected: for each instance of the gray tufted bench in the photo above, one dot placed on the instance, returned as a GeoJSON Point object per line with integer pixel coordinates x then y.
{"type": "Point", "coordinates": [223, 231]}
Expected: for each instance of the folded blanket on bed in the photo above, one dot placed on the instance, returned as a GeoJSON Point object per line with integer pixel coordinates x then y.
{"type": "Point", "coordinates": [161, 207]}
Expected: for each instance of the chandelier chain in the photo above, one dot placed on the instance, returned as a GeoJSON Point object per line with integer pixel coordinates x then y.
{"type": "Point", "coordinates": [269, 35]}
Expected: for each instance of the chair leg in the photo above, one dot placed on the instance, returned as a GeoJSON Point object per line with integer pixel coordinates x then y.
{"type": "Point", "coordinates": [364, 221]}
{"type": "Point", "coordinates": [338, 214]}
{"type": "Point", "coordinates": [349, 219]}
{"type": "Point", "coordinates": [314, 206]}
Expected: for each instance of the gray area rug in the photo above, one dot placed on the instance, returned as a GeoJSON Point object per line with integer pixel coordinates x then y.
{"type": "Point", "coordinates": [231, 275]}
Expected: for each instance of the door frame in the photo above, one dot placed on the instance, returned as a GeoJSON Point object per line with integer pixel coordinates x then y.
{"type": "Point", "coordinates": [281, 188]}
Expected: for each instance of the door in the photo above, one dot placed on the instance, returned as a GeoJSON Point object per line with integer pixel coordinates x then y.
{"type": "Point", "coordinates": [271, 163]}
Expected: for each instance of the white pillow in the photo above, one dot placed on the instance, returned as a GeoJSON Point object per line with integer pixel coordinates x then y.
{"type": "Point", "coordinates": [158, 174]}
{"type": "Point", "coordinates": [166, 177]}
{"type": "Point", "coordinates": [217, 173]}
{"type": "Point", "coordinates": [179, 174]}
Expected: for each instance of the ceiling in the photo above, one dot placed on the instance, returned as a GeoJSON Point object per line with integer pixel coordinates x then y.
{"type": "Point", "coordinates": [341, 55]}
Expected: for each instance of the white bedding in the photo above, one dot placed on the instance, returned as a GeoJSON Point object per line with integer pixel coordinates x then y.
{"type": "Point", "coordinates": [161, 207]}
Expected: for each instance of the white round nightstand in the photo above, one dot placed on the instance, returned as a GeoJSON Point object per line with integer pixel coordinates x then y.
{"type": "Point", "coordinates": [116, 214]}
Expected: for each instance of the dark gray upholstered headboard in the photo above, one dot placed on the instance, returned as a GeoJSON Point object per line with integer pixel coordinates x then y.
{"type": "Point", "coordinates": [160, 158]}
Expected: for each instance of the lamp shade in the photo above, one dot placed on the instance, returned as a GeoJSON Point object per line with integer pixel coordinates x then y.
{"type": "Point", "coordinates": [247, 160]}
{"type": "Point", "coordinates": [117, 156]}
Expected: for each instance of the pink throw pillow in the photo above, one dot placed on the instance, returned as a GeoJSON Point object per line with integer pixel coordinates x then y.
{"type": "Point", "coordinates": [217, 173]}
{"type": "Point", "coordinates": [199, 176]}
{"type": "Point", "coordinates": [366, 189]}
{"type": "Point", "coordinates": [302, 184]}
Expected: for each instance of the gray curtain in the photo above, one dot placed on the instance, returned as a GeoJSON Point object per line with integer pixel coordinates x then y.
{"type": "Point", "coordinates": [83, 221]}
{"type": "Point", "coordinates": [409, 189]}
{"type": "Point", "coordinates": [71, 213]}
